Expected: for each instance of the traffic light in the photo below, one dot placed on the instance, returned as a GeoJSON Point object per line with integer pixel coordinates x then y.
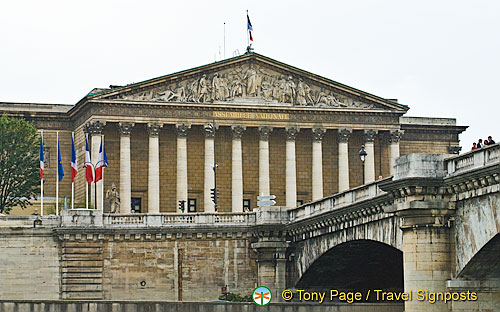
{"type": "Point", "coordinates": [182, 204]}
{"type": "Point", "coordinates": [214, 193]}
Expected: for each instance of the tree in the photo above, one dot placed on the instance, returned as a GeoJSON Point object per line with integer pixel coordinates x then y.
{"type": "Point", "coordinates": [19, 162]}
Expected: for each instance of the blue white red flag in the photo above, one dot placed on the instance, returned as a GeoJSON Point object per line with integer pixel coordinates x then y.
{"type": "Point", "coordinates": [42, 159]}
{"type": "Point", "coordinates": [102, 163]}
{"type": "Point", "coordinates": [88, 167]}
{"type": "Point", "coordinates": [74, 163]}
{"type": "Point", "coordinates": [249, 27]}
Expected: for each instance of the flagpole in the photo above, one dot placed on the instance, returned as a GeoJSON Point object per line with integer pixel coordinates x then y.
{"type": "Point", "coordinates": [248, 35]}
{"type": "Point", "coordinates": [86, 183]}
{"type": "Point", "coordinates": [102, 179]}
{"type": "Point", "coordinates": [57, 176]}
{"type": "Point", "coordinates": [73, 182]}
{"type": "Point", "coordinates": [41, 180]}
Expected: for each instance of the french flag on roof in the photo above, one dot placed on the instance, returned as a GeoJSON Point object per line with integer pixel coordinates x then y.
{"type": "Point", "coordinates": [88, 167]}
{"type": "Point", "coordinates": [103, 162]}
{"type": "Point", "coordinates": [74, 163]}
{"type": "Point", "coordinates": [249, 27]}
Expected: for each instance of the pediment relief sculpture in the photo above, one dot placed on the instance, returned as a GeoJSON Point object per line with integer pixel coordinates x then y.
{"type": "Point", "coordinates": [245, 84]}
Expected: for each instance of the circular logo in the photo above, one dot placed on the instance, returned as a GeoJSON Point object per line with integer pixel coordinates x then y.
{"type": "Point", "coordinates": [262, 295]}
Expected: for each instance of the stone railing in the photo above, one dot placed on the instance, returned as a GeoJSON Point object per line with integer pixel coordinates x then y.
{"type": "Point", "coordinates": [473, 159]}
{"type": "Point", "coordinates": [178, 219]}
{"type": "Point", "coordinates": [29, 221]}
{"type": "Point", "coordinates": [336, 201]}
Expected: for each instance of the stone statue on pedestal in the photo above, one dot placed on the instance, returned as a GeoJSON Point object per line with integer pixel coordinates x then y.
{"type": "Point", "coordinates": [113, 198]}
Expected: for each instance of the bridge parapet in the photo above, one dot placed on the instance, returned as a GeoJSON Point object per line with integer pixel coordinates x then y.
{"type": "Point", "coordinates": [337, 201]}
{"type": "Point", "coordinates": [473, 160]}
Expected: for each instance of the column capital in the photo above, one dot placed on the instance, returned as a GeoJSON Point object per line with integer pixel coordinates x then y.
{"type": "Point", "coordinates": [395, 136]}
{"type": "Point", "coordinates": [237, 132]}
{"type": "Point", "coordinates": [344, 134]}
{"type": "Point", "coordinates": [182, 130]}
{"type": "Point", "coordinates": [125, 128]}
{"type": "Point", "coordinates": [369, 135]}
{"type": "Point", "coordinates": [318, 134]}
{"type": "Point", "coordinates": [264, 133]}
{"type": "Point", "coordinates": [291, 133]}
{"type": "Point", "coordinates": [154, 129]}
{"type": "Point", "coordinates": [94, 127]}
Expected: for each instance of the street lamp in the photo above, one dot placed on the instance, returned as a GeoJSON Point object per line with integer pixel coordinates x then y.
{"type": "Point", "coordinates": [362, 156]}
{"type": "Point", "coordinates": [211, 127]}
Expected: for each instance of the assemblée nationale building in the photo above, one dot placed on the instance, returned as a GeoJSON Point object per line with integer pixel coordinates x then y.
{"type": "Point", "coordinates": [278, 130]}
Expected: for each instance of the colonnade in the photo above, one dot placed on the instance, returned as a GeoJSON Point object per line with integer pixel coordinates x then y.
{"type": "Point", "coordinates": [182, 130]}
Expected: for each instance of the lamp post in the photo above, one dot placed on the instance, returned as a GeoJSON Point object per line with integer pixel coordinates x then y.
{"type": "Point", "coordinates": [362, 156]}
{"type": "Point", "coordinates": [211, 127]}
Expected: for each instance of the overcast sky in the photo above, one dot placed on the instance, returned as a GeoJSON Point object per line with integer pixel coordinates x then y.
{"type": "Point", "coordinates": [439, 57]}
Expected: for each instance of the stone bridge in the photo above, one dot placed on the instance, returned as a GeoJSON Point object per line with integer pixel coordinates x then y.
{"type": "Point", "coordinates": [432, 227]}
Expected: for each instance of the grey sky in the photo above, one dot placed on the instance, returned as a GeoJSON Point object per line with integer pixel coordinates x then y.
{"type": "Point", "coordinates": [439, 57]}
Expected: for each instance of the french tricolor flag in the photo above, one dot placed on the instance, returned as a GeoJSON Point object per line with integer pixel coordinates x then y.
{"type": "Point", "coordinates": [74, 163]}
{"type": "Point", "coordinates": [42, 159]}
{"type": "Point", "coordinates": [88, 167]}
{"type": "Point", "coordinates": [102, 163]}
{"type": "Point", "coordinates": [249, 27]}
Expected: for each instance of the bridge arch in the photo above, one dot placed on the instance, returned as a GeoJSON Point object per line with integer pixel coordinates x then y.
{"type": "Point", "coordinates": [356, 265]}
{"type": "Point", "coordinates": [385, 230]}
{"type": "Point", "coordinates": [485, 263]}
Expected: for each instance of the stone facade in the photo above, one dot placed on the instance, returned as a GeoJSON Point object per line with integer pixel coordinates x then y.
{"type": "Point", "coordinates": [251, 91]}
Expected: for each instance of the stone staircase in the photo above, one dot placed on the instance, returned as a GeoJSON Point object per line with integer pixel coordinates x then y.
{"type": "Point", "coordinates": [81, 270]}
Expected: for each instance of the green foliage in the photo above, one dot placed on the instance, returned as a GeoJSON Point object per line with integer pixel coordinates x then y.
{"type": "Point", "coordinates": [235, 297]}
{"type": "Point", "coordinates": [19, 163]}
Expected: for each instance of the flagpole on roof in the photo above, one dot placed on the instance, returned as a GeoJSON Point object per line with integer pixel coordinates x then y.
{"type": "Point", "coordinates": [248, 34]}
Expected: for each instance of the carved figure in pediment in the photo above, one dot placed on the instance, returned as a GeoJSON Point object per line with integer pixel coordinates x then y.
{"type": "Point", "coordinates": [217, 90]}
{"type": "Point", "coordinates": [304, 94]}
{"type": "Point", "coordinates": [322, 99]}
{"type": "Point", "coordinates": [267, 88]}
{"type": "Point", "coordinates": [203, 89]}
{"type": "Point", "coordinates": [236, 86]}
{"type": "Point", "coordinates": [251, 78]}
{"type": "Point", "coordinates": [289, 92]}
{"type": "Point", "coordinates": [193, 91]}
{"type": "Point", "coordinates": [178, 95]}
{"type": "Point", "coordinates": [224, 84]}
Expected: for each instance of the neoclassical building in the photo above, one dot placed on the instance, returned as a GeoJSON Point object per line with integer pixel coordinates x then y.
{"type": "Point", "coordinates": [271, 128]}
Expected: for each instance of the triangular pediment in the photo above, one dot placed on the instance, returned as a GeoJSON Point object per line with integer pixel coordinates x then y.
{"type": "Point", "coordinates": [250, 79]}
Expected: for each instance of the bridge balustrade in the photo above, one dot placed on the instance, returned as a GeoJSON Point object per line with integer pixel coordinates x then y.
{"type": "Point", "coordinates": [474, 159]}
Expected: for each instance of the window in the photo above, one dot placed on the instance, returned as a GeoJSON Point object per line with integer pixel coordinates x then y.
{"type": "Point", "coordinates": [192, 205]}
{"type": "Point", "coordinates": [136, 204]}
{"type": "Point", "coordinates": [246, 205]}
{"type": "Point", "coordinates": [300, 202]}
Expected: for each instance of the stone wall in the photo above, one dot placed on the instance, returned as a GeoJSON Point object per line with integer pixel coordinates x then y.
{"type": "Point", "coordinates": [29, 264]}
{"type": "Point", "coordinates": [126, 306]}
{"type": "Point", "coordinates": [154, 265]}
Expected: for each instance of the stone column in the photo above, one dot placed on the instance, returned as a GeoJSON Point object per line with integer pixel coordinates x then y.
{"type": "Point", "coordinates": [125, 177]}
{"type": "Point", "coordinates": [317, 163]}
{"type": "Point", "coordinates": [209, 170]}
{"type": "Point", "coordinates": [264, 188]}
{"type": "Point", "coordinates": [182, 174]}
{"type": "Point", "coordinates": [291, 169]}
{"type": "Point", "coordinates": [369, 136]}
{"type": "Point", "coordinates": [394, 138]}
{"type": "Point", "coordinates": [237, 170]}
{"type": "Point", "coordinates": [343, 138]}
{"type": "Point", "coordinates": [94, 129]}
{"type": "Point", "coordinates": [154, 168]}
